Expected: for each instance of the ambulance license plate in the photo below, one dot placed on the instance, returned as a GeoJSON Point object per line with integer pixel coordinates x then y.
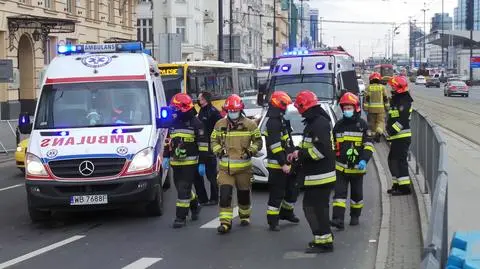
{"type": "Point", "coordinates": [89, 199]}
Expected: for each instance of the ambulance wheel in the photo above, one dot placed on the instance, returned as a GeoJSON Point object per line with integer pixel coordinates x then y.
{"type": "Point", "coordinates": [155, 207]}
{"type": "Point", "coordinates": [38, 215]}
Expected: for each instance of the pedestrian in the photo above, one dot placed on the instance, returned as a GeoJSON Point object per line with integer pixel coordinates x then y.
{"type": "Point", "coordinates": [375, 104]}
{"type": "Point", "coordinates": [400, 135]}
{"type": "Point", "coordinates": [353, 151]}
{"type": "Point", "coordinates": [209, 116]}
{"type": "Point", "coordinates": [317, 158]}
{"type": "Point", "coordinates": [235, 139]}
{"type": "Point", "coordinates": [184, 155]}
{"type": "Point", "coordinates": [281, 178]}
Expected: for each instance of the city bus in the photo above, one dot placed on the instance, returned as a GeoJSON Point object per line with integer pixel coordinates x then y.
{"type": "Point", "coordinates": [219, 78]}
{"type": "Point", "coordinates": [386, 70]}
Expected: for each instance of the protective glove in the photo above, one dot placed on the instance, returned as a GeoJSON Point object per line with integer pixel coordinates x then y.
{"type": "Point", "coordinates": [166, 163]}
{"type": "Point", "coordinates": [201, 169]}
{"type": "Point", "coordinates": [362, 165]}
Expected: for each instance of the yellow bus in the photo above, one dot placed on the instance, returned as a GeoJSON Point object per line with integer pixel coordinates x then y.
{"type": "Point", "coordinates": [219, 78]}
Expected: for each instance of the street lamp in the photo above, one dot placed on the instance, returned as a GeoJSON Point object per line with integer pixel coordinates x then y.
{"type": "Point", "coordinates": [36, 35]}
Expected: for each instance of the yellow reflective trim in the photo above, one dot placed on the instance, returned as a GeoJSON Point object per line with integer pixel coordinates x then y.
{"type": "Point", "coordinates": [313, 154]}
{"type": "Point", "coordinates": [287, 206]}
{"type": "Point", "coordinates": [370, 148]}
{"type": "Point", "coordinates": [327, 240]}
{"type": "Point", "coordinates": [214, 134]}
{"type": "Point", "coordinates": [184, 205]}
{"type": "Point", "coordinates": [404, 182]}
{"type": "Point", "coordinates": [216, 148]}
{"type": "Point", "coordinates": [394, 113]}
{"type": "Point", "coordinates": [349, 170]}
{"type": "Point", "coordinates": [272, 212]}
{"type": "Point", "coordinates": [273, 166]}
{"type": "Point", "coordinates": [239, 133]}
{"type": "Point", "coordinates": [277, 150]}
{"type": "Point", "coordinates": [284, 137]}
{"type": "Point", "coordinates": [236, 165]}
{"type": "Point", "coordinates": [360, 206]}
{"type": "Point", "coordinates": [203, 148]}
{"type": "Point", "coordinates": [396, 128]}
{"type": "Point", "coordinates": [256, 133]}
{"type": "Point", "coordinates": [244, 211]}
{"type": "Point", "coordinates": [265, 133]}
{"type": "Point", "coordinates": [399, 136]}
{"type": "Point", "coordinates": [178, 163]}
{"type": "Point", "coordinates": [339, 204]}
{"type": "Point", "coordinates": [320, 181]}
{"type": "Point", "coordinates": [182, 135]}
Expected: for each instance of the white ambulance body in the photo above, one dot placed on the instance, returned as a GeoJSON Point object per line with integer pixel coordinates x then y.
{"type": "Point", "coordinates": [94, 140]}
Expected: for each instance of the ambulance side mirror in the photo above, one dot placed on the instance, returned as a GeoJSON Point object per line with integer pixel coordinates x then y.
{"type": "Point", "coordinates": [262, 90]}
{"type": "Point", "coordinates": [24, 124]}
{"type": "Point", "coordinates": [167, 115]}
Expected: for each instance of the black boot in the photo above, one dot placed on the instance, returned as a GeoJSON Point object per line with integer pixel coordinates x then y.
{"type": "Point", "coordinates": [195, 212]}
{"type": "Point", "coordinates": [273, 222]}
{"type": "Point", "coordinates": [224, 228]}
{"type": "Point", "coordinates": [244, 221]}
{"type": "Point", "coordinates": [179, 223]}
{"type": "Point", "coordinates": [354, 221]}
{"type": "Point", "coordinates": [319, 248]}
{"type": "Point", "coordinates": [402, 190]}
{"type": "Point", "coordinates": [337, 223]}
{"type": "Point", "coordinates": [393, 189]}
{"type": "Point", "coordinates": [289, 216]}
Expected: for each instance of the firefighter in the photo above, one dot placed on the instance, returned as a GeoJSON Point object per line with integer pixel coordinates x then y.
{"type": "Point", "coordinates": [375, 104]}
{"type": "Point", "coordinates": [317, 156]}
{"type": "Point", "coordinates": [209, 115]}
{"type": "Point", "coordinates": [281, 178]}
{"type": "Point", "coordinates": [234, 140]}
{"type": "Point", "coordinates": [184, 153]}
{"type": "Point", "coordinates": [353, 150]}
{"type": "Point", "coordinates": [399, 134]}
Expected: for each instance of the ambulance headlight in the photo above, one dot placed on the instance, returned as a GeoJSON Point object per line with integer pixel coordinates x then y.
{"type": "Point", "coordinates": [143, 160]}
{"type": "Point", "coordinates": [34, 166]}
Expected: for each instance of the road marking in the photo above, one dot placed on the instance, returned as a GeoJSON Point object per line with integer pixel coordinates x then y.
{"type": "Point", "coordinates": [143, 263]}
{"type": "Point", "coordinates": [11, 187]}
{"type": "Point", "coordinates": [216, 222]}
{"type": "Point", "coordinates": [294, 255]}
{"type": "Point", "coordinates": [40, 251]}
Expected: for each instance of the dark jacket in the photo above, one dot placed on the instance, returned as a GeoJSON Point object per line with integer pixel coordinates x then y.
{"type": "Point", "coordinates": [351, 139]}
{"type": "Point", "coordinates": [398, 121]}
{"type": "Point", "coordinates": [317, 151]}
{"type": "Point", "coordinates": [209, 116]}
{"type": "Point", "coordinates": [187, 133]}
{"type": "Point", "coordinates": [276, 139]}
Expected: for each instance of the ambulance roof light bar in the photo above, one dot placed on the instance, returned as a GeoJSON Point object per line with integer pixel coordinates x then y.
{"type": "Point", "coordinates": [100, 48]}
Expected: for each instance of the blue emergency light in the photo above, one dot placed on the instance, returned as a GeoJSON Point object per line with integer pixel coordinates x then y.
{"type": "Point", "coordinates": [100, 48]}
{"type": "Point", "coordinates": [164, 112]}
{"type": "Point", "coordinates": [296, 51]}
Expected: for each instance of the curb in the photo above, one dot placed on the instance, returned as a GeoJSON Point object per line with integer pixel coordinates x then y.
{"type": "Point", "coordinates": [5, 160]}
{"type": "Point", "coordinates": [423, 200]}
{"type": "Point", "coordinates": [384, 236]}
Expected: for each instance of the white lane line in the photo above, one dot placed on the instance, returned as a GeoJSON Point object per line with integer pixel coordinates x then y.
{"type": "Point", "coordinates": [11, 187]}
{"type": "Point", "coordinates": [40, 251]}
{"type": "Point", "coordinates": [143, 263]}
{"type": "Point", "coordinates": [216, 222]}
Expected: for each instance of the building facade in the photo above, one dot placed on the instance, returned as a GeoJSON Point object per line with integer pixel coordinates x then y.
{"type": "Point", "coordinates": [282, 27]}
{"type": "Point", "coordinates": [460, 15]}
{"type": "Point", "coordinates": [31, 30]}
{"type": "Point", "coordinates": [437, 22]}
{"type": "Point", "coordinates": [314, 27]}
{"type": "Point", "coordinates": [304, 25]}
{"type": "Point", "coordinates": [144, 11]}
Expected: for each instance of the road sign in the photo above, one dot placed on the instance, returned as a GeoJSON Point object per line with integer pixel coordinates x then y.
{"type": "Point", "coordinates": [475, 62]}
{"type": "Point", "coordinates": [6, 70]}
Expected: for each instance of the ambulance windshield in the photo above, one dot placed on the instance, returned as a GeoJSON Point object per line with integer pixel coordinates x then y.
{"type": "Point", "coordinates": [320, 84]}
{"type": "Point", "coordinates": [94, 104]}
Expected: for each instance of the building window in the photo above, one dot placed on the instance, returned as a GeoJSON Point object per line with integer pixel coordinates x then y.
{"type": "Point", "coordinates": [48, 4]}
{"type": "Point", "coordinates": [47, 54]}
{"type": "Point", "coordinates": [70, 6]}
{"type": "Point", "coordinates": [182, 28]}
{"type": "Point", "coordinates": [88, 8]}
{"type": "Point", "coordinates": [96, 9]}
{"type": "Point", "coordinates": [26, 2]}
{"type": "Point", "coordinates": [111, 11]}
{"type": "Point", "coordinates": [145, 30]}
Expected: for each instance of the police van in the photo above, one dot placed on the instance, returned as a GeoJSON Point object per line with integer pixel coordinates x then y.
{"type": "Point", "coordinates": [95, 140]}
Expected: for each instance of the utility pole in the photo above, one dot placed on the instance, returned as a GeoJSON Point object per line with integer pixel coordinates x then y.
{"type": "Point", "coordinates": [443, 26]}
{"type": "Point", "coordinates": [231, 31]}
{"type": "Point", "coordinates": [274, 29]}
{"type": "Point", "coordinates": [301, 23]}
{"type": "Point", "coordinates": [359, 48]}
{"type": "Point", "coordinates": [415, 44]}
{"type": "Point", "coordinates": [470, 25]}
{"type": "Point", "coordinates": [220, 30]}
{"type": "Point", "coordinates": [393, 38]}
{"type": "Point", "coordinates": [424, 32]}
{"type": "Point", "coordinates": [321, 31]}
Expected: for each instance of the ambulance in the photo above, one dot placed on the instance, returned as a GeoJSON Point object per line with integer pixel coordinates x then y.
{"type": "Point", "coordinates": [95, 139]}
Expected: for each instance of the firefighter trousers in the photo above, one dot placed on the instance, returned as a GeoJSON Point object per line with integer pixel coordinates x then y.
{"type": "Point", "coordinates": [316, 206]}
{"type": "Point", "coordinates": [341, 192]}
{"type": "Point", "coordinates": [186, 199]}
{"type": "Point", "coordinates": [226, 182]}
{"type": "Point", "coordinates": [211, 174]}
{"type": "Point", "coordinates": [283, 194]}
{"type": "Point", "coordinates": [398, 164]}
{"type": "Point", "coordinates": [376, 123]}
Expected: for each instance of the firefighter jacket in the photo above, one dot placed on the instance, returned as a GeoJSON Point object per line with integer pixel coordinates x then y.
{"type": "Point", "coordinates": [277, 139]}
{"type": "Point", "coordinates": [235, 143]}
{"type": "Point", "coordinates": [317, 151]}
{"type": "Point", "coordinates": [352, 144]}
{"type": "Point", "coordinates": [376, 99]}
{"type": "Point", "coordinates": [209, 116]}
{"type": "Point", "coordinates": [187, 143]}
{"type": "Point", "coordinates": [398, 121]}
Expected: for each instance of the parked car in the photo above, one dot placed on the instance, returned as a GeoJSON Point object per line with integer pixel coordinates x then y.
{"type": "Point", "coordinates": [20, 154]}
{"type": "Point", "coordinates": [455, 88]}
{"type": "Point", "coordinates": [433, 82]}
{"type": "Point", "coordinates": [420, 80]}
{"type": "Point", "coordinates": [259, 162]}
{"type": "Point", "coordinates": [252, 109]}
{"type": "Point", "coordinates": [361, 85]}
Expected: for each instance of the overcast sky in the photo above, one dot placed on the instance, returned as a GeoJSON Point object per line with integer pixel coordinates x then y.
{"type": "Point", "coordinates": [372, 37]}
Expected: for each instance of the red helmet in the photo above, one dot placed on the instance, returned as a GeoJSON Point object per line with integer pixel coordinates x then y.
{"type": "Point", "coordinates": [305, 100]}
{"type": "Point", "coordinates": [233, 104]}
{"type": "Point", "coordinates": [350, 99]}
{"type": "Point", "coordinates": [181, 102]}
{"type": "Point", "coordinates": [399, 84]}
{"type": "Point", "coordinates": [375, 75]}
{"type": "Point", "coordinates": [280, 99]}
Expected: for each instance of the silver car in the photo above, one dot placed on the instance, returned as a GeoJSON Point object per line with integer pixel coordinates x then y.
{"type": "Point", "coordinates": [252, 109]}
{"type": "Point", "coordinates": [259, 162]}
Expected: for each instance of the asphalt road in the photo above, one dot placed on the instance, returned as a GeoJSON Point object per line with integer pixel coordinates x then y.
{"type": "Point", "coordinates": [459, 118]}
{"type": "Point", "coordinates": [127, 239]}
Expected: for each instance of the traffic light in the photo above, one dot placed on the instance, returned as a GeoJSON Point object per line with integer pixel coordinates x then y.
{"type": "Point", "coordinates": [469, 11]}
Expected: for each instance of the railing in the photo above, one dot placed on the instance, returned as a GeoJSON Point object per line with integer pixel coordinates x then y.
{"type": "Point", "coordinates": [8, 140]}
{"type": "Point", "coordinates": [430, 151]}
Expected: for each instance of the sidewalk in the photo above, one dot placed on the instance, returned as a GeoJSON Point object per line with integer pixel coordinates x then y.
{"type": "Point", "coordinates": [6, 157]}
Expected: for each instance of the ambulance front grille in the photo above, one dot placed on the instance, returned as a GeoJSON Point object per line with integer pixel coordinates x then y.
{"type": "Point", "coordinates": [102, 167]}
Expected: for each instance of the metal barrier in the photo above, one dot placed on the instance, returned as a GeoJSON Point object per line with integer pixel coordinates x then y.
{"type": "Point", "coordinates": [430, 151]}
{"type": "Point", "coordinates": [8, 140]}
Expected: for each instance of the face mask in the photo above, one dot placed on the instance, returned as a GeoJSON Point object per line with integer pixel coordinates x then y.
{"type": "Point", "coordinates": [348, 113]}
{"type": "Point", "coordinates": [233, 115]}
